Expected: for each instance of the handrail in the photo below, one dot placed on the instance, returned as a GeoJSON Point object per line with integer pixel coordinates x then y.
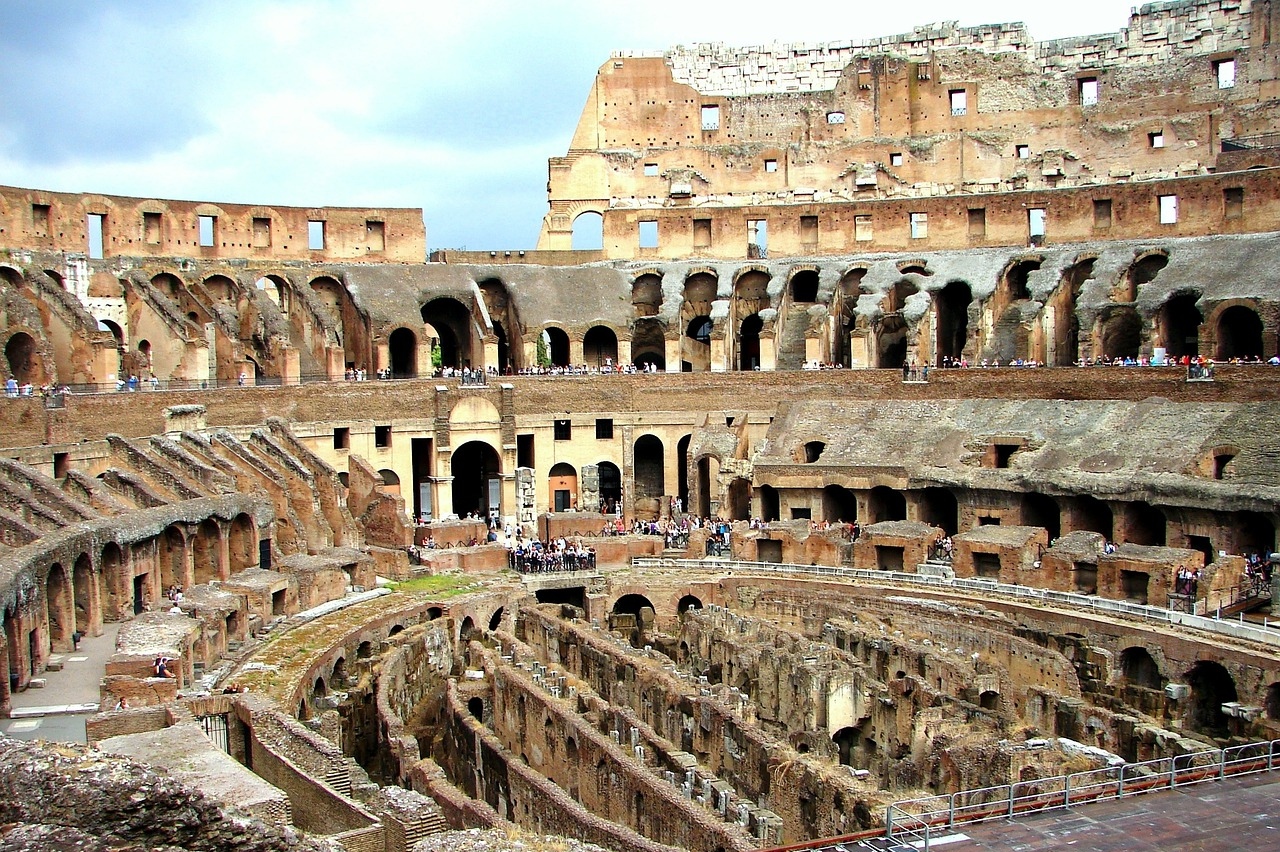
{"type": "Point", "coordinates": [1235, 629]}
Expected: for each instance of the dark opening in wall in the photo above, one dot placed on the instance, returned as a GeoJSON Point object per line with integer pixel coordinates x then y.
{"type": "Point", "coordinates": [524, 451]}
{"type": "Point", "coordinates": [563, 430]}
{"type": "Point", "coordinates": [1134, 585]}
{"type": "Point", "coordinates": [768, 550]}
{"type": "Point", "coordinates": [382, 436]}
{"type": "Point", "coordinates": [342, 438]}
{"type": "Point", "coordinates": [986, 565]}
{"type": "Point", "coordinates": [604, 428]}
{"type": "Point", "coordinates": [1086, 578]}
{"type": "Point", "coordinates": [889, 558]}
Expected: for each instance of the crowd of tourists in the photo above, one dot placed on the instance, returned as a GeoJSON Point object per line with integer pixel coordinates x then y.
{"type": "Point", "coordinates": [532, 556]}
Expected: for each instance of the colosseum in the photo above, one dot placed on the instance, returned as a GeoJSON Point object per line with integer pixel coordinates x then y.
{"type": "Point", "coordinates": [902, 458]}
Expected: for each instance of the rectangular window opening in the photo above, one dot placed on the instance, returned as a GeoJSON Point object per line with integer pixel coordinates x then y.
{"type": "Point", "coordinates": [97, 224]}
{"type": "Point", "coordinates": [919, 226]}
{"type": "Point", "coordinates": [207, 230]}
{"type": "Point", "coordinates": [801, 513]}
{"type": "Point", "coordinates": [862, 229]}
{"type": "Point", "coordinates": [382, 436]}
{"type": "Point", "coordinates": [61, 464]}
{"type": "Point", "coordinates": [1036, 225]}
{"type": "Point", "coordinates": [40, 220]}
{"type": "Point", "coordinates": [986, 565]}
{"type": "Point", "coordinates": [341, 438]}
{"type": "Point", "coordinates": [959, 101]}
{"type": "Point", "coordinates": [649, 233]}
{"type": "Point", "coordinates": [1156, 139]}
{"type": "Point", "coordinates": [977, 221]}
{"type": "Point", "coordinates": [604, 428]}
{"type": "Point", "coordinates": [315, 235]}
{"type": "Point", "coordinates": [757, 238]}
{"type": "Point", "coordinates": [809, 230]}
{"type": "Point", "coordinates": [524, 451]}
{"type": "Point", "coordinates": [895, 159]}
{"type": "Point", "coordinates": [261, 232]}
{"type": "Point", "coordinates": [650, 169]}
{"type": "Point", "coordinates": [151, 228]}
{"type": "Point", "coordinates": [835, 118]}
{"type": "Point", "coordinates": [1088, 91]}
{"type": "Point", "coordinates": [702, 233]}
{"type": "Point", "coordinates": [1225, 71]}
{"type": "Point", "coordinates": [1024, 152]}
{"type": "Point", "coordinates": [1168, 209]}
{"type": "Point", "coordinates": [710, 117]}
{"type": "Point", "coordinates": [563, 430]}
{"type": "Point", "coordinates": [770, 165]}
{"type": "Point", "coordinates": [1102, 213]}
{"type": "Point", "coordinates": [375, 234]}
{"type": "Point", "coordinates": [1233, 202]}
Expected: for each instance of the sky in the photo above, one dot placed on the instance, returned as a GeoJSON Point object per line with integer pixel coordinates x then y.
{"type": "Point", "coordinates": [451, 107]}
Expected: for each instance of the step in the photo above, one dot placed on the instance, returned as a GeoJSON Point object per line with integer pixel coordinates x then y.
{"type": "Point", "coordinates": [55, 662]}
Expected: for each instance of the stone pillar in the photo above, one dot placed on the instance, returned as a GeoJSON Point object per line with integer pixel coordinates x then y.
{"type": "Point", "coordinates": [624, 351]}
{"type": "Point", "coordinates": [575, 348]}
{"type": "Point", "coordinates": [490, 352]}
{"type": "Point", "coordinates": [291, 367]}
{"type": "Point", "coordinates": [768, 350]}
{"type": "Point", "coordinates": [719, 352]}
{"type": "Point", "coordinates": [673, 354]}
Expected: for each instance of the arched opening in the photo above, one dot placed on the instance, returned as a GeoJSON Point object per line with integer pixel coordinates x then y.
{"type": "Point", "coordinates": [319, 689]}
{"type": "Point", "coordinates": [205, 546]}
{"type": "Point", "coordinates": [739, 499]}
{"type": "Point", "coordinates": [1239, 333]}
{"type": "Point", "coordinates": [1094, 515]}
{"type": "Point", "coordinates": [632, 614]}
{"type": "Point", "coordinates": [1139, 669]}
{"type": "Point", "coordinates": [989, 700]}
{"type": "Point", "coordinates": [939, 508]}
{"type": "Point", "coordinates": [1119, 332]}
{"type": "Point", "coordinates": [687, 603]}
{"type": "Point", "coordinates": [600, 346]}
{"type": "Point", "coordinates": [1273, 701]}
{"type": "Point", "coordinates": [562, 487]}
{"type": "Point", "coordinates": [220, 287]}
{"type": "Point", "coordinates": [1211, 687]}
{"type": "Point", "coordinates": [588, 232]}
{"type": "Point", "coordinates": [451, 321]}
{"type": "Point", "coordinates": [749, 343]}
{"type": "Point", "coordinates": [477, 484]}
{"type": "Point", "coordinates": [696, 354]}
{"type": "Point", "coordinates": [495, 620]}
{"type": "Point", "coordinates": [952, 320]}
{"type": "Point", "coordinates": [243, 543]}
{"type": "Point", "coordinates": [811, 451]}
{"type": "Point", "coordinates": [856, 745]}
{"type": "Point", "coordinates": [339, 675]}
{"type": "Point", "coordinates": [60, 607]}
{"type": "Point", "coordinates": [173, 558]}
{"type": "Point", "coordinates": [25, 364]}
{"type": "Point", "coordinates": [84, 589]}
{"type": "Point", "coordinates": [886, 504]}
{"type": "Point", "coordinates": [646, 295]}
{"type": "Point", "coordinates": [1143, 271]}
{"type": "Point", "coordinates": [1066, 299]}
{"type": "Point", "coordinates": [1180, 322]}
{"type": "Point", "coordinates": [610, 485]}
{"type": "Point", "coordinates": [390, 481]}
{"type": "Point", "coordinates": [804, 286]}
{"type": "Point", "coordinates": [839, 505]}
{"type": "Point", "coordinates": [396, 629]}
{"type": "Point", "coordinates": [682, 470]}
{"type": "Point", "coordinates": [1255, 533]}
{"type": "Point", "coordinates": [434, 612]}
{"type": "Point", "coordinates": [506, 365]}
{"type": "Point", "coordinates": [110, 569]}
{"type": "Point", "coordinates": [365, 650]}
{"type": "Point", "coordinates": [648, 345]}
{"type": "Point", "coordinates": [1041, 510]}
{"type": "Point", "coordinates": [475, 706]}
{"type": "Point", "coordinates": [467, 630]}
{"type": "Point", "coordinates": [1147, 524]}
{"type": "Point", "coordinates": [557, 345]}
{"type": "Point", "coordinates": [649, 467]}
{"type": "Point", "coordinates": [1015, 279]}
{"type": "Point", "coordinates": [402, 347]}
{"type": "Point", "coordinates": [770, 507]}
{"type": "Point", "coordinates": [708, 478]}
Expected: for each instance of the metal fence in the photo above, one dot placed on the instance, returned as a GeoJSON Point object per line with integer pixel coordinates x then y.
{"type": "Point", "coordinates": [215, 728]}
{"type": "Point", "coordinates": [917, 819]}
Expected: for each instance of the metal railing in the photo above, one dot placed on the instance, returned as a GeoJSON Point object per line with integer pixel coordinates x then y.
{"type": "Point", "coordinates": [1266, 634]}
{"type": "Point", "coordinates": [918, 818]}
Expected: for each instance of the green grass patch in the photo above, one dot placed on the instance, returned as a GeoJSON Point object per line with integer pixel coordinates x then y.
{"type": "Point", "coordinates": [439, 585]}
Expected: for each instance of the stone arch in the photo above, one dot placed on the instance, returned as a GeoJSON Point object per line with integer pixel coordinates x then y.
{"type": "Point", "coordinates": [610, 479]}
{"type": "Point", "coordinates": [646, 294]}
{"type": "Point", "coordinates": [114, 580]}
{"type": "Point", "coordinates": [688, 602]}
{"type": "Point", "coordinates": [749, 342]}
{"type": "Point", "coordinates": [810, 451]}
{"type": "Point", "coordinates": [886, 504]}
{"type": "Point", "coordinates": [1066, 300]}
{"type": "Point", "coordinates": [242, 543]}
{"type": "Point", "coordinates": [1146, 525]}
{"type": "Point", "coordinates": [1119, 332]}
{"type": "Point", "coordinates": [495, 620]}
{"type": "Point", "coordinates": [172, 557]}
{"type": "Point", "coordinates": [59, 607]}
{"type": "Point", "coordinates": [1255, 533]}
{"type": "Point", "coordinates": [1144, 269]}
{"type": "Point", "coordinates": [557, 343]}
{"type": "Point", "coordinates": [205, 547]}
{"type": "Point", "coordinates": [739, 499]}
{"type": "Point", "coordinates": [402, 351]}
{"type": "Point", "coordinates": [1041, 510]}
{"type": "Point", "coordinates": [648, 344]}
{"type": "Point", "coordinates": [588, 231]}
{"type": "Point", "coordinates": [839, 505]}
{"type": "Point", "coordinates": [338, 674]}
{"type": "Point", "coordinates": [649, 467]}
{"type": "Point", "coordinates": [600, 346]}
{"type": "Point", "coordinates": [450, 325]}
{"type": "Point", "coordinates": [25, 361]}
{"type": "Point", "coordinates": [87, 598]}
{"type": "Point", "coordinates": [562, 487]}
{"type": "Point", "coordinates": [708, 478]}
{"type": "Point", "coordinates": [951, 319]}
{"type": "Point", "coordinates": [467, 630]}
{"type": "Point", "coordinates": [1094, 515]}
{"type": "Point", "coordinates": [699, 293]}
{"type": "Point", "coordinates": [475, 466]}
{"type": "Point", "coordinates": [989, 699]}
{"type": "Point", "coordinates": [939, 508]}
{"type": "Point", "coordinates": [1139, 668]}
{"type": "Point", "coordinates": [1178, 321]}
{"type": "Point", "coordinates": [1211, 687]}
{"type": "Point", "coordinates": [220, 288]}
{"type": "Point", "coordinates": [631, 604]}
{"type": "Point", "coordinates": [1238, 330]}
{"type": "Point", "coordinates": [390, 481]}
{"type": "Point", "coordinates": [804, 285]}
{"type": "Point", "coordinates": [695, 346]}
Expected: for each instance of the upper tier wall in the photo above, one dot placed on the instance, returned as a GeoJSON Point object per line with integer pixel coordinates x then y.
{"type": "Point", "coordinates": [147, 227]}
